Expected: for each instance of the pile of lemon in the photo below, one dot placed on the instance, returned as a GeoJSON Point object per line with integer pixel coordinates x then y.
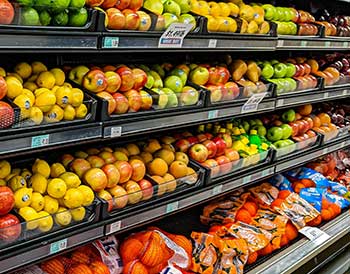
{"type": "Point", "coordinates": [46, 194]}
{"type": "Point", "coordinates": [42, 95]}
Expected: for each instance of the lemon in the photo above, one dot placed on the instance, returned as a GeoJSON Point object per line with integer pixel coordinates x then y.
{"type": "Point", "coordinates": [30, 216]}
{"type": "Point", "coordinates": [23, 69]}
{"type": "Point", "coordinates": [24, 103]}
{"type": "Point", "coordinates": [2, 72]}
{"type": "Point", "coordinates": [23, 197]}
{"type": "Point", "coordinates": [2, 182]}
{"type": "Point", "coordinates": [38, 67]}
{"type": "Point", "coordinates": [59, 75]}
{"type": "Point", "coordinates": [14, 87]}
{"type": "Point", "coordinates": [88, 195]}
{"type": "Point", "coordinates": [40, 91]}
{"type": "Point", "coordinates": [63, 96]}
{"type": "Point", "coordinates": [71, 179]}
{"type": "Point", "coordinates": [30, 86]}
{"type": "Point", "coordinates": [19, 78]}
{"type": "Point", "coordinates": [56, 188]}
{"type": "Point", "coordinates": [17, 182]}
{"type": "Point", "coordinates": [77, 97]}
{"type": "Point", "coordinates": [67, 85]}
{"type": "Point", "coordinates": [81, 111]}
{"type": "Point", "coordinates": [9, 177]}
{"type": "Point", "coordinates": [39, 183]}
{"type": "Point", "coordinates": [33, 78]}
{"type": "Point", "coordinates": [73, 198]}
{"type": "Point", "coordinates": [42, 167]}
{"type": "Point", "coordinates": [55, 88]}
{"type": "Point", "coordinates": [45, 100]}
{"type": "Point", "coordinates": [61, 202]}
{"type": "Point", "coordinates": [69, 113]}
{"type": "Point", "coordinates": [54, 115]}
{"type": "Point", "coordinates": [57, 169]}
{"type": "Point", "coordinates": [45, 221]}
{"type": "Point", "coordinates": [5, 169]}
{"type": "Point", "coordinates": [63, 217]}
{"type": "Point", "coordinates": [29, 94]}
{"type": "Point", "coordinates": [46, 80]}
{"type": "Point", "coordinates": [78, 214]}
{"type": "Point", "coordinates": [36, 115]}
{"type": "Point", "coordinates": [50, 205]}
{"type": "Point", "coordinates": [26, 174]}
{"type": "Point", "coordinates": [37, 202]}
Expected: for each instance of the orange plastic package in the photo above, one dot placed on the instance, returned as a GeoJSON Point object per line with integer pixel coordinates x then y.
{"type": "Point", "coordinates": [265, 193]}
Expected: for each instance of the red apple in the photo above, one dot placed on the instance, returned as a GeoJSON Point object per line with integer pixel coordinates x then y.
{"type": "Point", "coordinates": [93, 3]}
{"type": "Point", "coordinates": [147, 189]}
{"type": "Point", "coordinates": [213, 76]}
{"type": "Point", "coordinates": [224, 163]}
{"type": "Point", "coordinates": [122, 103]}
{"type": "Point", "coordinates": [3, 87]}
{"type": "Point", "coordinates": [10, 228]}
{"type": "Point", "coordinates": [95, 161]}
{"type": "Point", "coordinates": [7, 115]}
{"type": "Point", "coordinates": [295, 128]}
{"type": "Point", "coordinates": [231, 154]}
{"type": "Point", "coordinates": [95, 81]}
{"type": "Point", "coordinates": [107, 156]}
{"type": "Point", "coordinates": [138, 169]}
{"type": "Point", "coordinates": [132, 19]}
{"type": "Point", "coordinates": [113, 81]}
{"type": "Point", "coordinates": [215, 93]}
{"type": "Point", "coordinates": [7, 12]}
{"type": "Point", "coordinates": [311, 133]}
{"type": "Point", "coordinates": [134, 99]}
{"type": "Point", "coordinates": [232, 91]}
{"type": "Point", "coordinates": [108, 4]}
{"type": "Point", "coordinates": [211, 146]}
{"type": "Point", "coordinates": [224, 75]}
{"type": "Point", "coordinates": [182, 145]}
{"type": "Point", "coordinates": [135, 5]}
{"type": "Point", "coordinates": [122, 4]}
{"type": "Point", "coordinates": [7, 200]}
{"type": "Point", "coordinates": [310, 122]}
{"type": "Point", "coordinates": [201, 137]}
{"type": "Point", "coordinates": [109, 98]}
{"type": "Point", "coordinates": [140, 78]}
{"type": "Point", "coordinates": [193, 140]}
{"type": "Point", "coordinates": [307, 69]}
{"type": "Point", "coordinates": [116, 20]}
{"type": "Point", "coordinates": [187, 134]}
{"type": "Point", "coordinates": [112, 174]}
{"type": "Point", "coordinates": [227, 138]}
{"type": "Point", "coordinates": [199, 153]}
{"type": "Point", "coordinates": [213, 165]}
{"type": "Point", "coordinates": [127, 77]}
{"type": "Point", "coordinates": [125, 171]}
{"type": "Point", "coordinates": [303, 126]}
{"type": "Point", "coordinates": [209, 135]}
{"type": "Point", "coordinates": [220, 145]}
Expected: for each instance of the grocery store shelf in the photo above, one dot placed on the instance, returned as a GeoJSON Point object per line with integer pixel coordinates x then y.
{"type": "Point", "coordinates": [297, 255]}
{"type": "Point", "coordinates": [311, 43]}
{"type": "Point", "coordinates": [339, 265]}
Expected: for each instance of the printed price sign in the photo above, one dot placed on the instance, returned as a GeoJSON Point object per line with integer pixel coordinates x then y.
{"type": "Point", "coordinates": [217, 189]}
{"type": "Point", "coordinates": [41, 140]}
{"type": "Point", "coordinates": [58, 246]}
{"type": "Point", "coordinates": [116, 132]}
{"type": "Point", "coordinates": [172, 207]}
{"type": "Point", "coordinates": [314, 234]}
{"type": "Point", "coordinates": [253, 102]}
{"type": "Point", "coordinates": [174, 36]}
{"type": "Point", "coordinates": [213, 114]}
{"type": "Point", "coordinates": [116, 226]}
{"type": "Point", "coordinates": [111, 42]}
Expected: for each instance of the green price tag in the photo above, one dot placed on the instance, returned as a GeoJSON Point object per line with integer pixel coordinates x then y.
{"type": "Point", "coordinates": [172, 207]}
{"type": "Point", "coordinates": [41, 140]}
{"type": "Point", "coordinates": [212, 114]}
{"type": "Point", "coordinates": [58, 246]}
{"type": "Point", "coordinates": [304, 43]}
{"type": "Point", "coordinates": [111, 42]}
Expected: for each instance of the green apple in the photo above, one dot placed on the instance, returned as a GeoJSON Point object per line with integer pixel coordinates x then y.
{"type": "Point", "coordinates": [293, 29]}
{"type": "Point", "coordinates": [144, 68]}
{"type": "Point", "coordinates": [261, 130]}
{"type": "Point", "coordinates": [258, 122]}
{"type": "Point", "coordinates": [169, 19]}
{"type": "Point", "coordinates": [270, 12]}
{"type": "Point", "coordinates": [25, 3]}
{"type": "Point", "coordinates": [58, 6]}
{"type": "Point", "coordinates": [181, 74]}
{"type": "Point", "coordinates": [158, 82]}
{"type": "Point", "coordinates": [150, 81]}
{"type": "Point", "coordinates": [287, 131]}
{"type": "Point", "coordinates": [174, 83]}
{"type": "Point", "coordinates": [172, 98]}
{"type": "Point", "coordinates": [292, 83]}
{"type": "Point", "coordinates": [280, 70]}
{"type": "Point", "coordinates": [189, 96]}
{"type": "Point", "coordinates": [185, 5]}
{"type": "Point", "coordinates": [280, 144]}
{"type": "Point", "coordinates": [267, 71]}
{"type": "Point", "coordinates": [155, 6]}
{"type": "Point", "coordinates": [61, 19]}
{"type": "Point", "coordinates": [30, 17]}
{"type": "Point", "coordinates": [188, 19]}
{"type": "Point", "coordinates": [245, 126]}
{"type": "Point", "coordinates": [78, 18]}
{"type": "Point", "coordinates": [273, 61]}
{"type": "Point", "coordinates": [280, 15]}
{"type": "Point", "coordinates": [158, 68]}
{"type": "Point", "coordinates": [288, 116]}
{"type": "Point", "coordinates": [285, 85]}
{"type": "Point", "coordinates": [77, 4]}
{"type": "Point", "coordinates": [172, 7]}
{"type": "Point", "coordinates": [160, 99]}
{"type": "Point", "coordinates": [45, 18]}
{"type": "Point", "coordinates": [290, 70]}
{"type": "Point", "coordinates": [274, 134]}
{"type": "Point", "coordinates": [42, 4]}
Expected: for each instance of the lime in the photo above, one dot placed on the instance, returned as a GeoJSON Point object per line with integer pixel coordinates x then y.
{"type": "Point", "coordinates": [77, 4]}
{"type": "Point", "coordinates": [30, 17]}
{"type": "Point", "coordinates": [57, 6]}
{"type": "Point", "coordinates": [42, 4]}
{"type": "Point", "coordinates": [78, 18]}
{"type": "Point", "coordinates": [25, 3]}
{"type": "Point", "coordinates": [45, 18]}
{"type": "Point", "coordinates": [61, 19]}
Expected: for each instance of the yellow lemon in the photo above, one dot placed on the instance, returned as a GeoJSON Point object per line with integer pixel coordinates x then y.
{"type": "Point", "coordinates": [46, 80]}
{"type": "Point", "coordinates": [69, 113]}
{"type": "Point", "coordinates": [37, 202]}
{"type": "Point", "coordinates": [30, 95]}
{"type": "Point", "coordinates": [19, 78]}
{"type": "Point", "coordinates": [39, 183]}
{"type": "Point", "coordinates": [63, 217]}
{"type": "Point", "coordinates": [67, 85]}
{"type": "Point", "coordinates": [56, 188]}
{"type": "Point", "coordinates": [26, 174]}
{"type": "Point", "coordinates": [40, 91]}
{"type": "Point", "coordinates": [71, 179]}
{"type": "Point", "coordinates": [77, 97]}
{"type": "Point", "coordinates": [23, 69]}
{"type": "Point", "coordinates": [88, 195]}
{"type": "Point", "coordinates": [42, 167]}
{"type": "Point", "coordinates": [234, 9]}
{"type": "Point", "coordinates": [45, 221]}
{"type": "Point", "coordinates": [51, 204]}
{"type": "Point", "coordinates": [212, 24]}
{"type": "Point", "coordinates": [2, 182]}
{"type": "Point", "coordinates": [30, 216]}
{"type": "Point", "coordinates": [73, 198]}
{"type": "Point", "coordinates": [63, 96]}
{"type": "Point", "coordinates": [225, 9]}
{"type": "Point", "coordinates": [55, 88]}
{"type": "Point", "coordinates": [78, 214]}
{"type": "Point", "coordinates": [59, 75]}
{"type": "Point", "coordinates": [57, 169]}
{"type": "Point", "coordinates": [5, 169]}
{"type": "Point", "coordinates": [14, 87]}
{"type": "Point", "coordinates": [24, 103]}
{"type": "Point", "coordinates": [36, 115]}
{"type": "Point", "coordinates": [33, 78]}
{"type": "Point", "coordinates": [38, 67]}
{"type": "Point", "coordinates": [23, 197]}
{"type": "Point", "coordinates": [30, 85]}
{"type": "Point", "coordinates": [54, 115]}
{"type": "Point", "coordinates": [17, 182]}
{"type": "Point", "coordinates": [45, 100]}
{"type": "Point", "coordinates": [81, 111]}
{"type": "Point", "coordinates": [2, 72]}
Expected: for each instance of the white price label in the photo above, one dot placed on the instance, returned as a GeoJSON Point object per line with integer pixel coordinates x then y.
{"type": "Point", "coordinates": [314, 234]}
{"type": "Point", "coordinates": [116, 226]}
{"type": "Point", "coordinates": [217, 190]}
{"type": "Point", "coordinates": [265, 172]}
{"type": "Point", "coordinates": [345, 92]}
{"type": "Point", "coordinates": [326, 95]}
{"type": "Point", "coordinates": [280, 102]}
{"type": "Point", "coordinates": [212, 43]}
{"type": "Point", "coordinates": [41, 140]}
{"type": "Point", "coordinates": [280, 43]}
{"type": "Point", "coordinates": [116, 132]}
{"type": "Point", "coordinates": [172, 207]}
{"type": "Point", "coordinates": [213, 114]}
{"type": "Point", "coordinates": [170, 270]}
{"type": "Point", "coordinates": [174, 36]}
{"type": "Point", "coordinates": [58, 246]}
{"type": "Point", "coordinates": [253, 102]}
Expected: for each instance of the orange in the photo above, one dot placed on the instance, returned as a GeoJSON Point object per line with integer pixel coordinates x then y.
{"type": "Point", "coordinates": [331, 211]}
{"type": "Point", "coordinates": [284, 240]}
{"type": "Point", "coordinates": [276, 203]}
{"type": "Point", "coordinates": [324, 118]}
{"type": "Point", "coordinates": [158, 167]}
{"type": "Point", "coordinates": [316, 221]}
{"type": "Point", "coordinates": [298, 186]}
{"type": "Point", "coordinates": [291, 231]}
{"type": "Point", "coordinates": [317, 121]}
{"type": "Point", "coordinates": [305, 109]}
{"type": "Point", "coordinates": [162, 187]}
{"type": "Point", "coordinates": [325, 203]}
{"type": "Point", "coordinates": [308, 183]}
{"type": "Point", "coordinates": [284, 194]}
{"type": "Point", "coordinates": [332, 127]}
{"type": "Point", "coordinates": [178, 169]}
{"type": "Point", "coordinates": [336, 209]}
{"type": "Point", "coordinates": [251, 207]}
{"type": "Point", "coordinates": [252, 258]}
{"type": "Point", "coordinates": [266, 250]}
{"type": "Point", "coordinates": [326, 214]}
{"type": "Point", "coordinates": [244, 216]}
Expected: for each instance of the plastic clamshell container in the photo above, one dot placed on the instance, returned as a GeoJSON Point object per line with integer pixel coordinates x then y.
{"type": "Point", "coordinates": [152, 195]}
{"type": "Point", "coordinates": [300, 88]}
{"type": "Point", "coordinates": [320, 32]}
{"type": "Point", "coordinates": [335, 134]}
{"type": "Point", "coordinates": [30, 231]}
{"type": "Point", "coordinates": [341, 83]}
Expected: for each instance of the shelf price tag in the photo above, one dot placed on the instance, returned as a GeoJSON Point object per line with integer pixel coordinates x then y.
{"type": "Point", "coordinates": [217, 190]}
{"type": "Point", "coordinates": [253, 102]}
{"type": "Point", "coordinates": [110, 42]}
{"type": "Point", "coordinates": [58, 246]}
{"type": "Point", "coordinates": [116, 132]}
{"type": "Point", "coordinates": [212, 43]}
{"type": "Point", "coordinates": [346, 44]}
{"type": "Point", "coordinates": [114, 227]}
{"type": "Point", "coordinates": [316, 235]}
{"type": "Point", "coordinates": [303, 43]}
{"type": "Point", "coordinates": [327, 44]}
{"type": "Point", "coordinates": [41, 140]}
{"type": "Point", "coordinates": [212, 114]}
{"type": "Point", "coordinates": [326, 95]}
{"type": "Point", "coordinates": [174, 36]}
{"type": "Point", "coordinates": [172, 207]}
{"type": "Point", "coordinates": [247, 179]}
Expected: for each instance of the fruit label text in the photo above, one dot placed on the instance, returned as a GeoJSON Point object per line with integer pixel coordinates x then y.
{"type": "Point", "coordinates": [174, 35]}
{"type": "Point", "coordinates": [41, 140]}
{"type": "Point", "coordinates": [253, 102]}
{"type": "Point", "coordinates": [316, 235]}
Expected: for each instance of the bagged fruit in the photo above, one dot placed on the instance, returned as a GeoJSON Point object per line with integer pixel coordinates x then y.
{"type": "Point", "coordinates": [281, 182]}
{"type": "Point", "coordinates": [310, 174]}
{"type": "Point", "coordinates": [339, 189]}
{"type": "Point", "coordinates": [340, 201]}
{"type": "Point", "coordinates": [265, 193]}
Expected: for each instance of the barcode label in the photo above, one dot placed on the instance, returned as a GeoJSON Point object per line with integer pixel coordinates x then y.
{"type": "Point", "coordinates": [212, 43]}
{"type": "Point", "coordinates": [58, 246]}
{"type": "Point", "coordinates": [116, 226]}
{"type": "Point", "coordinates": [116, 132]}
{"type": "Point", "coordinates": [314, 234]}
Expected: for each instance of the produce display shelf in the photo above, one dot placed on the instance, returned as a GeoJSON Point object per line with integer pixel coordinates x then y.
{"type": "Point", "coordinates": [339, 265]}
{"type": "Point", "coordinates": [311, 43]}
{"type": "Point", "coordinates": [296, 256]}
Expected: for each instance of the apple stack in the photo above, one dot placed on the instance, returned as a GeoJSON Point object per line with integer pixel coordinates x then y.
{"type": "Point", "coordinates": [338, 25]}
{"type": "Point", "coordinates": [42, 95]}
{"type": "Point", "coordinates": [8, 12]}
{"type": "Point", "coordinates": [7, 114]}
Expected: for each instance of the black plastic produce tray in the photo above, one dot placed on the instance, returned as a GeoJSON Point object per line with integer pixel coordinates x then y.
{"type": "Point", "coordinates": [320, 33]}
{"type": "Point", "coordinates": [319, 87]}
